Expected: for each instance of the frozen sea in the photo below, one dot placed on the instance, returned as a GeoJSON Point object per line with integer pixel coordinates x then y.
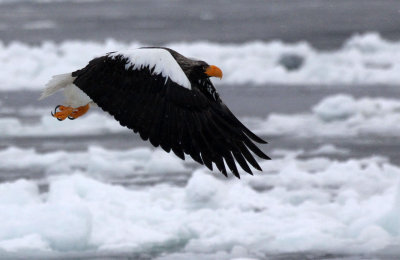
{"type": "Point", "coordinates": [319, 80]}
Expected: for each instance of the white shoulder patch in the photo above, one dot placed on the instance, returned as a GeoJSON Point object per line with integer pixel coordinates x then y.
{"type": "Point", "coordinates": [160, 59]}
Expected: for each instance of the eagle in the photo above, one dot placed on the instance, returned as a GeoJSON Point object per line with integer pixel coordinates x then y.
{"type": "Point", "coordinates": [165, 97]}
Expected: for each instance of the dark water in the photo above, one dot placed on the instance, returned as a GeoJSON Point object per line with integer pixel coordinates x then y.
{"type": "Point", "coordinates": [325, 24]}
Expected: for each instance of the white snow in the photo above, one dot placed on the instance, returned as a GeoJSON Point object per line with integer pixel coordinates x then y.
{"type": "Point", "coordinates": [158, 59]}
{"type": "Point", "coordinates": [337, 115]}
{"type": "Point", "coordinates": [366, 59]}
{"type": "Point", "coordinates": [96, 161]}
{"type": "Point", "coordinates": [295, 205]}
{"type": "Point", "coordinates": [329, 149]}
{"type": "Point", "coordinates": [91, 124]}
{"type": "Point", "coordinates": [335, 108]}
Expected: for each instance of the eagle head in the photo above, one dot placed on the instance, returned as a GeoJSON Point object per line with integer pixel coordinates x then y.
{"type": "Point", "coordinates": [201, 70]}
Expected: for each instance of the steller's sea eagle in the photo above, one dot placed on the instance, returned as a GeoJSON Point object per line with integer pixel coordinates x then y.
{"type": "Point", "coordinates": [165, 97]}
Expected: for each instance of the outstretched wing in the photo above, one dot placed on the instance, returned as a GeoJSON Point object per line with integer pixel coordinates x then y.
{"type": "Point", "coordinates": [185, 120]}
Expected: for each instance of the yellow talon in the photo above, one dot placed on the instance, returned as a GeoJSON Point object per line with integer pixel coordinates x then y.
{"type": "Point", "coordinates": [70, 112]}
{"type": "Point", "coordinates": [64, 112]}
{"type": "Point", "coordinates": [80, 111]}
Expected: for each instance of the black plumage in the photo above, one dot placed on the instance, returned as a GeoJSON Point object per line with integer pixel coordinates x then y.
{"type": "Point", "coordinates": [185, 121]}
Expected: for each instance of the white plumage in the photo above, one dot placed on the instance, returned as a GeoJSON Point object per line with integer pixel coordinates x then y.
{"type": "Point", "coordinates": [74, 97]}
{"type": "Point", "coordinates": [159, 59]}
{"type": "Point", "coordinates": [56, 83]}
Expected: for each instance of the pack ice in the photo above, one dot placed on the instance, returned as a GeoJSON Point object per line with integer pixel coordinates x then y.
{"type": "Point", "coordinates": [318, 204]}
{"type": "Point", "coordinates": [366, 59]}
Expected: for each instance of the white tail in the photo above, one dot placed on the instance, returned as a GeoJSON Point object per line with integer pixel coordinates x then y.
{"type": "Point", "coordinates": [56, 83]}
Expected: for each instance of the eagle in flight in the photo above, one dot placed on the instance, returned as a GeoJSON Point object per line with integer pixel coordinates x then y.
{"type": "Point", "coordinates": [165, 97]}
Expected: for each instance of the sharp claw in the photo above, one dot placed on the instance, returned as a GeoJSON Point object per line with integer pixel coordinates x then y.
{"type": "Point", "coordinates": [69, 112]}
{"type": "Point", "coordinates": [55, 110]}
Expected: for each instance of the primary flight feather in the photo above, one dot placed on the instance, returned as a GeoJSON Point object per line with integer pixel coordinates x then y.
{"type": "Point", "coordinates": [165, 97]}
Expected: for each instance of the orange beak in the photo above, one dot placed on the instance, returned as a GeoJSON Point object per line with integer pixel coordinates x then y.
{"type": "Point", "coordinates": [214, 71]}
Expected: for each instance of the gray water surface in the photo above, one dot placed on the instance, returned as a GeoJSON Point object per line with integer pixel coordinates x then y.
{"type": "Point", "coordinates": [325, 24]}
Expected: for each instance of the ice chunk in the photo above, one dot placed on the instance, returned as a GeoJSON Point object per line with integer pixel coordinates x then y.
{"type": "Point", "coordinates": [203, 191]}
{"type": "Point", "coordinates": [28, 243]}
{"type": "Point", "coordinates": [363, 60]}
{"type": "Point", "coordinates": [329, 149]}
{"type": "Point", "coordinates": [339, 107]}
{"type": "Point", "coordinates": [298, 205]}
{"type": "Point", "coordinates": [338, 115]}
{"type": "Point", "coordinates": [96, 161]}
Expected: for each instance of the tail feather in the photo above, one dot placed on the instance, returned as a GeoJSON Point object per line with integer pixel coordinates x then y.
{"type": "Point", "coordinates": [56, 83]}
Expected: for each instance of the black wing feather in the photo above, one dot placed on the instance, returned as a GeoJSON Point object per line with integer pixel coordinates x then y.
{"type": "Point", "coordinates": [186, 121]}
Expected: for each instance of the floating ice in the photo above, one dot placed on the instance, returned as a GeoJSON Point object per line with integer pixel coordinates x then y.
{"type": "Point", "coordinates": [339, 107]}
{"type": "Point", "coordinates": [96, 161]}
{"type": "Point", "coordinates": [338, 115]}
{"type": "Point", "coordinates": [329, 149]}
{"type": "Point", "coordinates": [92, 124]}
{"type": "Point", "coordinates": [295, 205]}
{"type": "Point", "coordinates": [364, 59]}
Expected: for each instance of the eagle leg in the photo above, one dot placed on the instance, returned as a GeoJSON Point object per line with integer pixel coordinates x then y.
{"type": "Point", "coordinates": [63, 113]}
{"type": "Point", "coordinates": [80, 111]}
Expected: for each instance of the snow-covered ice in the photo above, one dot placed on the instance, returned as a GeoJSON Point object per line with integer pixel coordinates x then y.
{"type": "Point", "coordinates": [295, 205]}
{"type": "Point", "coordinates": [366, 59]}
{"type": "Point", "coordinates": [329, 149]}
{"type": "Point", "coordinates": [92, 124]}
{"type": "Point", "coordinates": [96, 161]}
{"type": "Point", "coordinates": [337, 115]}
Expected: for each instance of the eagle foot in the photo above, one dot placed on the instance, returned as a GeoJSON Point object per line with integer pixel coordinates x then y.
{"type": "Point", "coordinates": [69, 112]}
{"type": "Point", "coordinates": [63, 113]}
{"type": "Point", "coordinates": [79, 111]}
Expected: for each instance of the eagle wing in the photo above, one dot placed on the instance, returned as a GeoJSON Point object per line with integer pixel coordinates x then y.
{"type": "Point", "coordinates": [170, 115]}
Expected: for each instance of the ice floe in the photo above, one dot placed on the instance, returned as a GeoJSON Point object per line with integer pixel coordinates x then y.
{"type": "Point", "coordinates": [96, 161]}
{"type": "Point", "coordinates": [317, 204]}
{"type": "Point", "coordinates": [328, 149]}
{"type": "Point", "coordinates": [92, 124]}
{"type": "Point", "coordinates": [366, 59]}
{"type": "Point", "coordinates": [337, 115]}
